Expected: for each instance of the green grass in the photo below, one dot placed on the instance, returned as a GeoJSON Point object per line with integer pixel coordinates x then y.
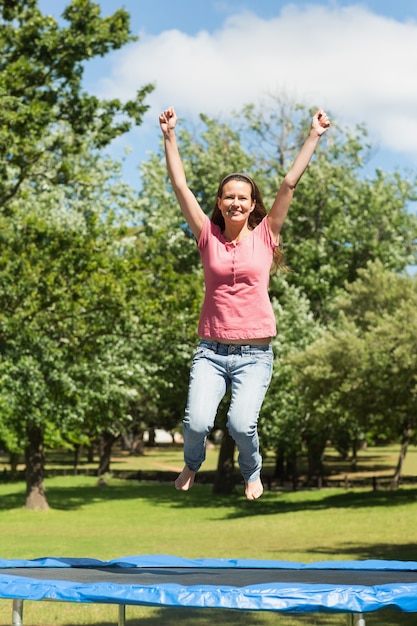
{"type": "Point", "coordinates": [375, 461]}
{"type": "Point", "coordinates": [127, 518]}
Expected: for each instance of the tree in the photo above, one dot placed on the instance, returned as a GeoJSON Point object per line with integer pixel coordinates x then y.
{"type": "Point", "coordinates": [41, 72]}
{"type": "Point", "coordinates": [359, 379]}
{"type": "Point", "coordinates": [339, 220]}
{"type": "Point", "coordinates": [69, 312]}
{"type": "Point", "coordinates": [62, 250]}
{"type": "Point", "coordinates": [282, 423]}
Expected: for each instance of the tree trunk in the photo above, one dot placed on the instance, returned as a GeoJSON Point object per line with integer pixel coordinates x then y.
{"type": "Point", "coordinates": [292, 470]}
{"type": "Point", "coordinates": [105, 447]}
{"type": "Point", "coordinates": [315, 451]}
{"type": "Point", "coordinates": [151, 437]}
{"type": "Point", "coordinates": [407, 432]}
{"type": "Point", "coordinates": [286, 467]}
{"type": "Point", "coordinates": [14, 462]}
{"type": "Point", "coordinates": [90, 453]}
{"type": "Point", "coordinates": [77, 457]}
{"type": "Point", "coordinates": [224, 481]}
{"type": "Point", "coordinates": [279, 470]}
{"type": "Point", "coordinates": [35, 469]}
{"type": "Point", "coordinates": [138, 446]}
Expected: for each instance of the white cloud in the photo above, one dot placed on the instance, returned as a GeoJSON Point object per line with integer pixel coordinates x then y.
{"type": "Point", "coordinates": [360, 66]}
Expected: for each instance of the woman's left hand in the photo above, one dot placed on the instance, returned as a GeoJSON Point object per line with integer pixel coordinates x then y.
{"type": "Point", "coordinates": [320, 122]}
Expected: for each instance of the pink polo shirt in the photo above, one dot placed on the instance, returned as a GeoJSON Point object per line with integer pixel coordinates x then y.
{"type": "Point", "coordinates": [236, 276]}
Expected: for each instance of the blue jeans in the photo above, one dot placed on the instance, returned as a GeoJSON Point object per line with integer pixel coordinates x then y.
{"type": "Point", "coordinates": [215, 368]}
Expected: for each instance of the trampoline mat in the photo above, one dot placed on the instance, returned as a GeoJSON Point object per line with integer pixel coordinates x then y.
{"type": "Point", "coordinates": [224, 577]}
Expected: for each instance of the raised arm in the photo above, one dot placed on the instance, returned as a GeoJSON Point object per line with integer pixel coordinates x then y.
{"type": "Point", "coordinates": [190, 208]}
{"type": "Point", "coordinates": [319, 125]}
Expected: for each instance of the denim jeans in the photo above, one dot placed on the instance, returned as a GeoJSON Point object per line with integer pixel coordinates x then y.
{"type": "Point", "coordinates": [216, 367]}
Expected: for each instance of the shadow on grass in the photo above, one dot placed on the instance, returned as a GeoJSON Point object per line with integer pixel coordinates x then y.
{"type": "Point", "coordinates": [235, 506]}
{"type": "Point", "coordinates": [272, 503]}
{"type": "Point", "coordinates": [206, 617]}
{"type": "Point", "coordinates": [376, 551]}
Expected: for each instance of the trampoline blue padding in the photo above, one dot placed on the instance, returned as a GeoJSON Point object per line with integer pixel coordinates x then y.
{"type": "Point", "coordinates": [241, 584]}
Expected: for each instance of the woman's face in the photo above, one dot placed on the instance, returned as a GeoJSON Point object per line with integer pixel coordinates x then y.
{"type": "Point", "coordinates": [236, 202]}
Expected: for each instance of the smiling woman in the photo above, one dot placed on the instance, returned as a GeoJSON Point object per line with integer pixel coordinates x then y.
{"type": "Point", "coordinates": [237, 248]}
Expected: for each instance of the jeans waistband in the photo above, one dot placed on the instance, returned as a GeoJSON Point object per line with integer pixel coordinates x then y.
{"type": "Point", "coordinates": [233, 348]}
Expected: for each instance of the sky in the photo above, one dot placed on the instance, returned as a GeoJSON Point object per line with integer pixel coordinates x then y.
{"type": "Point", "coordinates": [356, 60]}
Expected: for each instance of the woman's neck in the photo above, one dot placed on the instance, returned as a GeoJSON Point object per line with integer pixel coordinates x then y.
{"type": "Point", "coordinates": [233, 235]}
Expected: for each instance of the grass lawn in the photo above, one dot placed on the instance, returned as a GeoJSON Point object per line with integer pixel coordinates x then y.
{"type": "Point", "coordinates": [127, 517]}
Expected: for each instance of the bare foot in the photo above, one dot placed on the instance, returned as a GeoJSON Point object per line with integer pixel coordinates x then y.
{"type": "Point", "coordinates": [254, 489]}
{"type": "Point", "coordinates": [185, 480]}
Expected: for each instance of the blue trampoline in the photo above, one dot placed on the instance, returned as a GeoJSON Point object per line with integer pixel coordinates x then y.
{"type": "Point", "coordinates": [355, 587]}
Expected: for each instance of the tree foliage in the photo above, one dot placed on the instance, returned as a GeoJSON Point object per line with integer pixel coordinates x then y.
{"type": "Point", "coordinates": [65, 255]}
{"type": "Point", "coordinates": [281, 421]}
{"type": "Point", "coordinates": [68, 304]}
{"type": "Point", "coordinates": [358, 380]}
{"type": "Point", "coordinates": [339, 221]}
{"type": "Point", "coordinates": [100, 290]}
{"type": "Point", "coordinates": [41, 93]}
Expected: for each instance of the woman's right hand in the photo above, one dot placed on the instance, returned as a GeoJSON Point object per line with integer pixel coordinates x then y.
{"type": "Point", "coordinates": [168, 120]}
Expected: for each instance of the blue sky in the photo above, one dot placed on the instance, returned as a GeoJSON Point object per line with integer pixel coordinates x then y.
{"type": "Point", "coordinates": [358, 60]}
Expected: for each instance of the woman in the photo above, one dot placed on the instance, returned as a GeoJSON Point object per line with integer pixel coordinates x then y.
{"type": "Point", "coordinates": [237, 248]}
